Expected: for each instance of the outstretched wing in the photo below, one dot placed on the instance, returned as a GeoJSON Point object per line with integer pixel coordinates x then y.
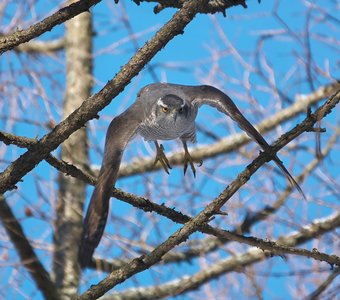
{"type": "Point", "coordinates": [121, 130]}
{"type": "Point", "coordinates": [204, 94]}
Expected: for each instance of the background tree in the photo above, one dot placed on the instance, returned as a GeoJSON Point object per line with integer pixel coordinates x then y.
{"type": "Point", "coordinates": [68, 219]}
{"type": "Point", "coordinates": [238, 229]}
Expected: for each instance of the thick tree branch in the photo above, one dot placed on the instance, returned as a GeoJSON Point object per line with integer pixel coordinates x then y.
{"type": "Point", "coordinates": [26, 252]}
{"type": "Point", "coordinates": [91, 106]}
{"type": "Point", "coordinates": [264, 213]}
{"type": "Point", "coordinates": [225, 266]}
{"type": "Point", "coordinates": [146, 261]}
{"type": "Point", "coordinates": [60, 165]}
{"type": "Point", "coordinates": [10, 41]}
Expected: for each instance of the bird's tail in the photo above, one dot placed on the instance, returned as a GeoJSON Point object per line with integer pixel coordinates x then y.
{"type": "Point", "coordinates": [96, 216]}
{"type": "Point", "coordinates": [119, 133]}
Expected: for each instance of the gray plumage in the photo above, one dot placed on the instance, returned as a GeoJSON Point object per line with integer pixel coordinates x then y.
{"type": "Point", "coordinates": [162, 111]}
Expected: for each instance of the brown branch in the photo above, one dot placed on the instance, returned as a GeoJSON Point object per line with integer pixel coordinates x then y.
{"type": "Point", "coordinates": [144, 262]}
{"type": "Point", "coordinates": [26, 252]}
{"type": "Point", "coordinates": [10, 41]}
{"type": "Point", "coordinates": [270, 210]}
{"type": "Point", "coordinates": [60, 165]}
{"type": "Point", "coordinates": [91, 106]}
{"type": "Point", "coordinates": [234, 263]}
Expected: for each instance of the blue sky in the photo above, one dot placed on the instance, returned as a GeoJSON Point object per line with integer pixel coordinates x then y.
{"type": "Point", "coordinates": [192, 50]}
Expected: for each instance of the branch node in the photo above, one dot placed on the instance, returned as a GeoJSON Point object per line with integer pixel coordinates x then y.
{"type": "Point", "coordinates": [13, 187]}
{"type": "Point", "coordinates": [222, 213]}
{"type": "Point", "coordinates": [317, 129]}
{"type": "Point", "coordinates": [158, 8]}
{"type": "Point", "coordinates": [309, 111]}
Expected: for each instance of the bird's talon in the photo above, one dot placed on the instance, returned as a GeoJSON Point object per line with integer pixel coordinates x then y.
{"type": "Point", "coordinates": [185, 167]}
{"type": "Point", "coordinates": [161, 157]}
{"type": "Point", "coordinates": [189, 160]}
{"type": "Point", "coordinates": [193, 171]}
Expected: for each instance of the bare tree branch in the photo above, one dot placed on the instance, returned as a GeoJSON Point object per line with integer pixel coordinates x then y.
{"type": "Point", "coordinates": [8, 42]}
{"type": "Point", "coordinates": [252, 219]}
{"type": "Point", "coordinates": [26, 252]}
{"type": "Point", "coordinates": [234, 263]}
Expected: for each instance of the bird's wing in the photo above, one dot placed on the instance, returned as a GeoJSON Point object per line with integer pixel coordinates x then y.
{"type": "Point", "coordinates": [204, 94]}
{"type": "Point", "coordinates": [120, 131]}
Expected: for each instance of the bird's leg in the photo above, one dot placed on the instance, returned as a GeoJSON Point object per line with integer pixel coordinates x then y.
{"type": "Point", "coordinates": [188, 159]}
{"type": "Point", "coordinates": [160, 156]}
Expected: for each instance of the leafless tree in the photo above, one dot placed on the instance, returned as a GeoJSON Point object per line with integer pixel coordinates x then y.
{"type": "Point", "coordinates": [238, 229]}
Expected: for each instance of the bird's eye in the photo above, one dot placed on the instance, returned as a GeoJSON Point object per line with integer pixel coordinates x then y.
{"type": "Point", "coordinates": [180, 110]}
{"type": "Point", "coordinates": [165, 109]}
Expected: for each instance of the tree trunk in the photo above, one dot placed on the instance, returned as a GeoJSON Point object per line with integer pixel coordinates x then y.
{"type": "Point", "coordinates": [68, 222]}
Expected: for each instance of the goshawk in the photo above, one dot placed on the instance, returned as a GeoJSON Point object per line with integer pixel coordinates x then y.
{"type": "Point", "coordinates": [162, 111]}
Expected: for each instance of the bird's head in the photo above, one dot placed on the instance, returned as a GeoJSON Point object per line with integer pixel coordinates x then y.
{"type": "Point", "coordinates": [171, 107]}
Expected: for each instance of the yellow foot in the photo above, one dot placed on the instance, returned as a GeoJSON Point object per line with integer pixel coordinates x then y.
{"type": "Point", "coordinates": [189, 160]}
{"type": "Point", "coordinates": [160, 156]}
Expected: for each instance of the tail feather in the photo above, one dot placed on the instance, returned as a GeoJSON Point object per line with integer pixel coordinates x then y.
{"type": "Point", "coordinates": [291, 179]}
{"type": "Point", "coordinates": [96, 217]}
{"type": "Point", "coordinates": [119, 133]}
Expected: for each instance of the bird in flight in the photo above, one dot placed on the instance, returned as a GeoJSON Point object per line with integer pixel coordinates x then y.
{"type": "Point", "coordinates": [162, 111]}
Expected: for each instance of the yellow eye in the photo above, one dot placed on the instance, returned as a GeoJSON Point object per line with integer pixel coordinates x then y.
{"type": "Point", "coordinates": [165, 109]}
